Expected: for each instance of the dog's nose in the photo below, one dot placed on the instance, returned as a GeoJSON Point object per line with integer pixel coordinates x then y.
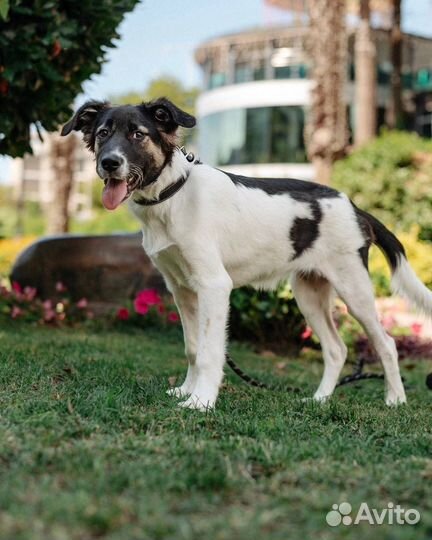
{"type": "Point", "coordinates": [110, 164]}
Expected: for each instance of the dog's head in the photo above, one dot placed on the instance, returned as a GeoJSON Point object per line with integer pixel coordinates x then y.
{"type": "Point", "coordinates": [132, 143]}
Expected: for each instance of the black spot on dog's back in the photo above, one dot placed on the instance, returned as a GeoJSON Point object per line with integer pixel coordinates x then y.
{"type": "Point", "coordinates": [305, 231]}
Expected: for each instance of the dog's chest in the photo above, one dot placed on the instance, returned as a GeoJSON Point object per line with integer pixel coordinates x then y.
{"type": "Point", "coordinates": [156, 239]}
{"type": "Point", "coordinates": [173, 266]}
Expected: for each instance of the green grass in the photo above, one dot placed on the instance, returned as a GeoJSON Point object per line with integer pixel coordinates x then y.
{"type": "Point", "coordinates": [92, 447]}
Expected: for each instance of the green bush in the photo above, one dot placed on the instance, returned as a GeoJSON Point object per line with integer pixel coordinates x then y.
{"type": "Point", "coordinates": [391, 178]}
{"type": "Point", "coordinates": [268, 319]}
{"type": "Point", "coordinates": [47, 50]}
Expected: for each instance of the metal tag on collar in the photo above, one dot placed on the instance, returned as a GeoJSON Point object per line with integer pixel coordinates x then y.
{"type": "Point", "coordinates": [188, 155]}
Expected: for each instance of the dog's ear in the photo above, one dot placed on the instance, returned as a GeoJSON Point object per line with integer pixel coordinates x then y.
{"type": "Point", "coordinates": [85, 117]}
{"type": "Point", "coordinates": [167, 116]}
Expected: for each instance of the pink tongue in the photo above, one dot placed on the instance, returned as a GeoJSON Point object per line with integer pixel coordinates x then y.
{"type": "Point", "coordinates": [114, 193]}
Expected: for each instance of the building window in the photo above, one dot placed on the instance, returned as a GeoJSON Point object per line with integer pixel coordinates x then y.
{"type": "Point", "coordinates": [291, 72]}
{"type": "Point", "coordinates": [242, 72]}
{"type": "Point", "coordinates": [216, 80]}
{"type": "Point", "coordinates": [259, 135]}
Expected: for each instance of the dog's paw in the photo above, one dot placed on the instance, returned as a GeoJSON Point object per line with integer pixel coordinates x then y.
{"type": "Point", "coordinates": [394, 400]}
{"type": "Point", "coordinates": [196, 403]}
{"type": "Point", "coordinates": [319, 398]}
{"type": "Point", "coordinates": [177, 391]}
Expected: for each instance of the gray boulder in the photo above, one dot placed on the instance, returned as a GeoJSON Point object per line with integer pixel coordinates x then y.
{"type": "Point", "coordinates": [107, 270]}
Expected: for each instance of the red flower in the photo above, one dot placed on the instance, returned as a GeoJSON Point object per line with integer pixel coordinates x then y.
{"type": "Point", "coordinates": [16, 287]}
{"type": "Point", "coordinates": [416, 328]}
{"type": "Point", "coordinates": [149, 297]}
{"type": "Point", "coordinates": [306, 334]}
{"type": "Point", "coordinates": [123, 314]}
{"type": "Point", "coordinates": [146, 298]}
{"type": "Point", "coordinates": [140, 307]}
{"type": "Point", "coordinates": [173, 317]}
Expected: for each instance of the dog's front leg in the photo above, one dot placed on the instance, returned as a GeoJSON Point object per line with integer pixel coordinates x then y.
{"type": "Point", "coordinates": [213, 307]}
{"type": "Point", "coordinates": [187, 304]}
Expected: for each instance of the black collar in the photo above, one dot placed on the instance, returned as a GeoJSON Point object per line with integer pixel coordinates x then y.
{"type": "Point", "coordinates": [164, 194]}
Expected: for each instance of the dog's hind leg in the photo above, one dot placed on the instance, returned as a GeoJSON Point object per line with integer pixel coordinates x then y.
{"type": "Point", "coordinates": [314, 295]}
{"type": "Point", "coordinates": [353, 285]}
{"type": "Point", "coordinates": [187, 303]}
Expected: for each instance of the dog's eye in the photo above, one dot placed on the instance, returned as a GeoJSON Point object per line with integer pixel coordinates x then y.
{"type": "Point", "coordinates": [138, 135]}
{"type": "Point", "coordinates": [103, 133]}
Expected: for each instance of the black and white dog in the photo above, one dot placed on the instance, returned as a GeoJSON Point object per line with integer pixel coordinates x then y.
{"type": "Point", "coordinates": [209, 231]}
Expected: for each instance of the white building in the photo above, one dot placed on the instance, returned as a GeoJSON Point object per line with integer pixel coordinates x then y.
{"type": "Point", "coordinates": [251, 114]}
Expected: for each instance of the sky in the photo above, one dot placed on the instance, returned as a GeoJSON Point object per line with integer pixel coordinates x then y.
{"type": "Point", "coordinates": [159, 38]}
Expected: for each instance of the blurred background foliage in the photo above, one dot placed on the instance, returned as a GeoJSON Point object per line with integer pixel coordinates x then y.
{"type": "Point", "coordinates": [166, 86]}
{"type": "Point", "coordinates": [390, 177]}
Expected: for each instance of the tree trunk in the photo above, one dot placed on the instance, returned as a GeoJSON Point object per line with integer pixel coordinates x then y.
{"type": "Point", "coordinates": [395, 110]}
{"type": "Point", "coordinates": [326, 130]}
{"type": "Point", "coordinates": [365, 79]}
{"type": "Point", "coordinates": [62, 155]}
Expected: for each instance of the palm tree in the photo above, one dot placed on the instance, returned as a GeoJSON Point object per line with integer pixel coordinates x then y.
{"type": "Point", "coordinates": [395, 110]}
{"type": "Point", "coordinates": [326, 131]}
{"type": "Point", "coordinates": [365, 78]}
{"type": "Point", "coordinates": [62, 156]}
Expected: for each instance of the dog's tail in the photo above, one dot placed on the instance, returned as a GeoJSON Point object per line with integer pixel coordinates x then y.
{"type": "Point", "coordinates": [404, 280]}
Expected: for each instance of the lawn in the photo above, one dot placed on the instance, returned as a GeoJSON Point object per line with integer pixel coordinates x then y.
{"type": "Point", "coordinates": [92, 447]}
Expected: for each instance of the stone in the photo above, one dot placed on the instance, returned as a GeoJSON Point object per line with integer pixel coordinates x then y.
{"type": "Point", "coordinates": [106, 270]}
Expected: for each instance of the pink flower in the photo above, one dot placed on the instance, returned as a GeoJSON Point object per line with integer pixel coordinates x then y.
{"type": "Point", "coordinates": [16, 287]}
{"type": "Point", "coordinates": [149, 297]}
{"type": "Point", "coordinates": [29, 293]}
{"type": "Point", "coordinates": [82, 304]}
{"type": "Point", "coordinates": [416, 328]}
{"type": "Point", "coordinates": [49, 315]}
{"type": "Point", "coordinates": [173, 317]}
{"type": "Point", "coordinates": [47, 304]}
{"type": "Point", "coordinates": [16, 312]}
{"type": "Point", "coordinates": [123, 314]}
{"type": "Point", "coordinates": [306, 334]}
{"type": "Point", "coordinates": [161, 309]}
{"type": "Point", "coordinates": [388, 322]}
{"type": "Point", "coordinates": [60, 287]}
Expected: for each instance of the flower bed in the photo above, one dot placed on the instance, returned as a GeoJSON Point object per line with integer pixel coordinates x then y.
{"type": "Point", "coordinates": [277, 310]}
{"type": "Point", "coordinates": [23, 304]}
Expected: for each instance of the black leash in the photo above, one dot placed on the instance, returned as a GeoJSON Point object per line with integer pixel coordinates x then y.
{"type": "Point", "coordinates": [356, 375]}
